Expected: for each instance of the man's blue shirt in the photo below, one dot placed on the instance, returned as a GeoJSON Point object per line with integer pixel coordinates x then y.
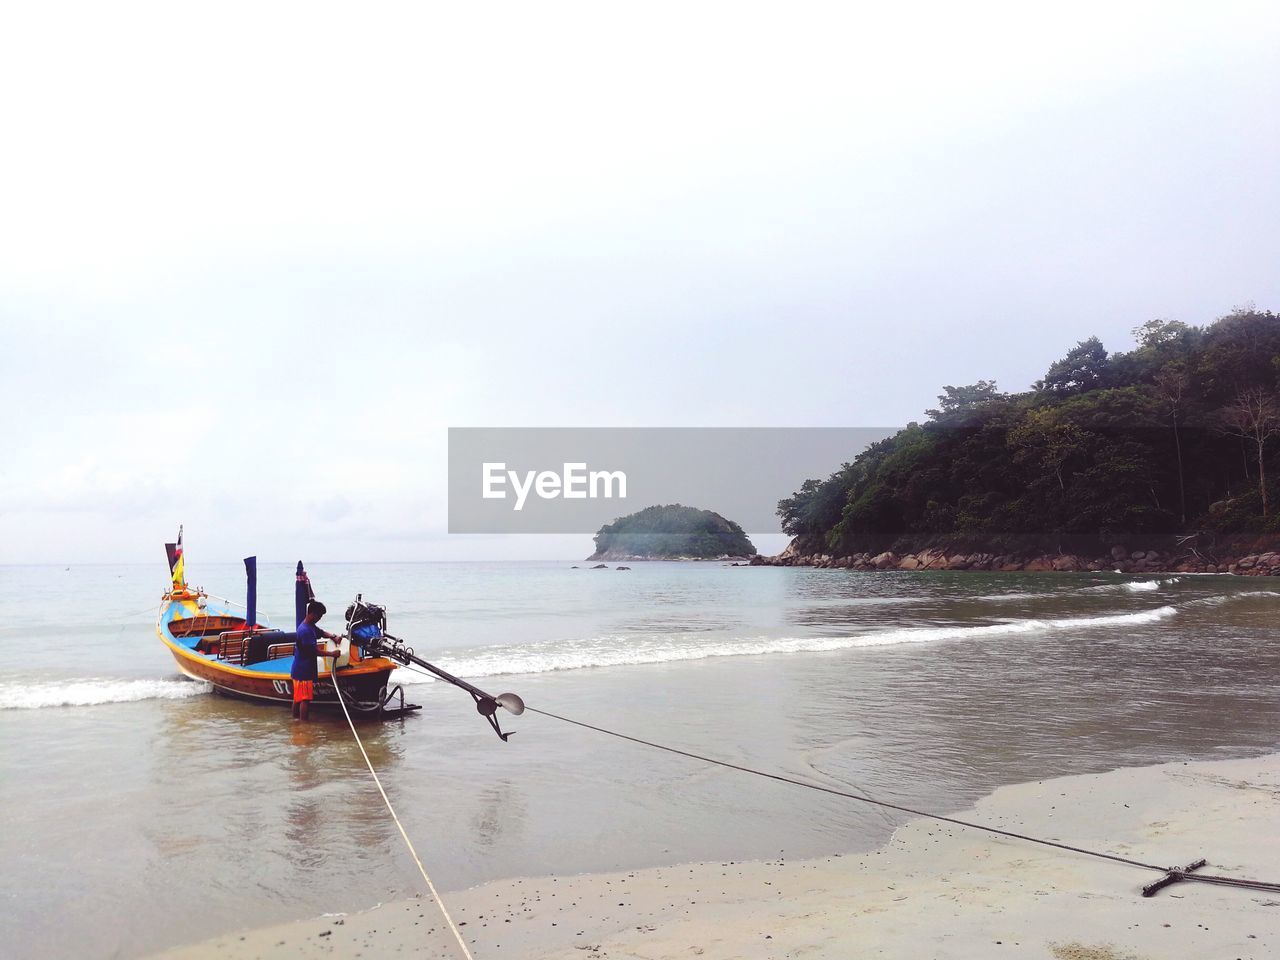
{"type": "Point", "coordinates": [305, 652]}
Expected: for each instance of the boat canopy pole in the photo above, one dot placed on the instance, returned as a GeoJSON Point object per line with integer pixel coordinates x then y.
{"type": "Point", "coordinates": [251, 598]}
{"type": "Point", "coordinates": [301, 594]}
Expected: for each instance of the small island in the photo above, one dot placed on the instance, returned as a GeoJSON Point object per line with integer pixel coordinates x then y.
{"type": "Point", "coordinates": [672, 532]}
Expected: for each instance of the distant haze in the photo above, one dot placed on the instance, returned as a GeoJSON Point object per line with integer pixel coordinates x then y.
{"type": "Point", "coordinates": [255, 259]}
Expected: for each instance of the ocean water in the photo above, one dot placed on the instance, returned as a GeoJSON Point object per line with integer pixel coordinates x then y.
{"type": "Point", "coordinates": [142, 811]}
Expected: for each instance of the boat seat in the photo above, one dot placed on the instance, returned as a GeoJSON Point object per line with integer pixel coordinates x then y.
{"type": "Point", "coordinates": [260, 644]}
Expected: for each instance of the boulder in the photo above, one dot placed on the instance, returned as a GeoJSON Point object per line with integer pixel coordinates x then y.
{"type": "Point", "coordinates": [628, 568]}
{"type": "Point", "coordinates": [1118, 552]}
{"type": "Point", "coordinates": [882, 560]}
{"type": "Point", "coordinates": [792, 549]}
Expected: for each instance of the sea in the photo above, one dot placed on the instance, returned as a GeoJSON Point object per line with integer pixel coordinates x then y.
{"type": "Point", "coordinates": [143, 811]}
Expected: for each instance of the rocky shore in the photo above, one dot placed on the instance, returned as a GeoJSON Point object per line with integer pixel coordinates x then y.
{"type": "Point", "coordinates": [1120, 558]}
{"type": "Point", "coordinates": [622, 556]}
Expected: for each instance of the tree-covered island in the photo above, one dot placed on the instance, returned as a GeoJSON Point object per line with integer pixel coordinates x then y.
{"type": "Point", "coordinates": [671, 532]}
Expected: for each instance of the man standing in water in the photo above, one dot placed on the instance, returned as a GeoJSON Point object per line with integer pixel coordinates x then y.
{"type": "Point", "coordinates": [305, 651]}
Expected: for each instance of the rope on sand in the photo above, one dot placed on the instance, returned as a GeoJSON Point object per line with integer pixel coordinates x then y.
{"type": "Point", "coordinates": [1172, 873]}
{"type": "Point", "coordinates": [462, 945]}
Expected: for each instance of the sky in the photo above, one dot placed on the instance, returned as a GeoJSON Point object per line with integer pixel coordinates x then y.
{"type": "Point", "coordinates": [255, 259]}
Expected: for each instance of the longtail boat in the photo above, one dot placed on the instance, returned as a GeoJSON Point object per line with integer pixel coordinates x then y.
{"type": "Point", "coordinates": [242, 655]}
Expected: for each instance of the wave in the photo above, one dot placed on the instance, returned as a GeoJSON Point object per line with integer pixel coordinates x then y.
{"type": "Point", "coordinates": [1218, 599]}
{"type": "Point", "coordinates": [609, 651]}
{"type": "Point", "coordinates": [550, 656]}
{"type": "Point", "coordinates": [997, 597]}
{"type": "Point", "coordinates": [1131, 586]}
{"type": "Point", "coordinates": [84, 693]}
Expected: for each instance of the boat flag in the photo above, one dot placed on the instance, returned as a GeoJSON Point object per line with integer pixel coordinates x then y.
{"type": "Point", "coordinates": [301, 594]}
{"type": "Point", "coordinates": [176, 566]}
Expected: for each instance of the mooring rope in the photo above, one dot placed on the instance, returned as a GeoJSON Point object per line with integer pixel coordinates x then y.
{"type": "Point", "coordinates": [782, 778]}
{"type": "Point", "coordinates": [462, 945]}
{"type": "Point", "coordinates": [884, 804]}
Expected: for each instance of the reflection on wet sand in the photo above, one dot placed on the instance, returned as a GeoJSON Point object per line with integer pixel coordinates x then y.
{"type": "Point", "coordinates": [500, 810]}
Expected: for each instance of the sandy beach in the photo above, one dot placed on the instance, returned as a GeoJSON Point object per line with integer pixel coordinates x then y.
{"type": "Point", "coordinates": [933, 891]}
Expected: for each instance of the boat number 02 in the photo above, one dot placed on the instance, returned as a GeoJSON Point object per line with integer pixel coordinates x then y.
{"type": "Point", "coordinates": [282, 686]}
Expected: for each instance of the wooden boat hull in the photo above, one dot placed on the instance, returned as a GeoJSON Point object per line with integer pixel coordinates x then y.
{"type": "Point", "coordinates": [364, 682]}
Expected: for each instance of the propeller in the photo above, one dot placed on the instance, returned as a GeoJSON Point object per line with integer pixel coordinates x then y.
{"type": "Point", "coordinates": [511, 703]}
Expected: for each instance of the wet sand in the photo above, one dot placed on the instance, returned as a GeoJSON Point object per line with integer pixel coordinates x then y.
{"type": "Point", "coordinates": [933, 891]}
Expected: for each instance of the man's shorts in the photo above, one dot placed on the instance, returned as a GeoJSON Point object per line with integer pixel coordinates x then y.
{"type": "Point", "coordinates": [302, 690]}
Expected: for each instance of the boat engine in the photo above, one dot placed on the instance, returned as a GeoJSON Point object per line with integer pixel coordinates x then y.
{"type": "Point", "coordinates": [366, 621]}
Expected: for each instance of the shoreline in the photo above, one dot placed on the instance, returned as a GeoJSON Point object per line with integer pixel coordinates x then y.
{"type": "Point", "coordinates": [933, 890]}
{"type": "Point", "coordinates": [1120, 560]}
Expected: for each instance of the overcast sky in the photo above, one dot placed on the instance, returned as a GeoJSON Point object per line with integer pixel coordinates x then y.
{"type": "Point", "coordinates": [256, 258]}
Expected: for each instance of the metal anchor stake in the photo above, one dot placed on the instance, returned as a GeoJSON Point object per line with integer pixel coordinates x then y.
{"type": "Point", "coordinates": [1173, 876]}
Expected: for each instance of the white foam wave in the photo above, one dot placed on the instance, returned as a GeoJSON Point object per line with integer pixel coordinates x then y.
{"type": "Point", "coordinates": [1219, 599]}
{"type": "Point", "coordinates": [1131, 586]}
{"type": "Point", "coordinates": [549, 656]}
{"type": "Point", "coordinates": [83, 693]}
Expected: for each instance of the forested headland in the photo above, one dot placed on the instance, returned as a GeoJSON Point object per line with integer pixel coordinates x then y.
{"type": "Point", "coordinates": [1170, 447]}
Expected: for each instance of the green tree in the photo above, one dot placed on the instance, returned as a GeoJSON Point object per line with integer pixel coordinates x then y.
{"type": "Point", "coordinates": [1161, 333]}
{"type": "Point", "coordinates": [1080, 370]}
{"type": "Point", "coordinates": [1049, 444]}
{"type": "Point", "coordinates": [1254, 416]}
{"type": "Point", "coordinates": [1171, 385]}
{"type": "Point", "coordinates": [956, 401]}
